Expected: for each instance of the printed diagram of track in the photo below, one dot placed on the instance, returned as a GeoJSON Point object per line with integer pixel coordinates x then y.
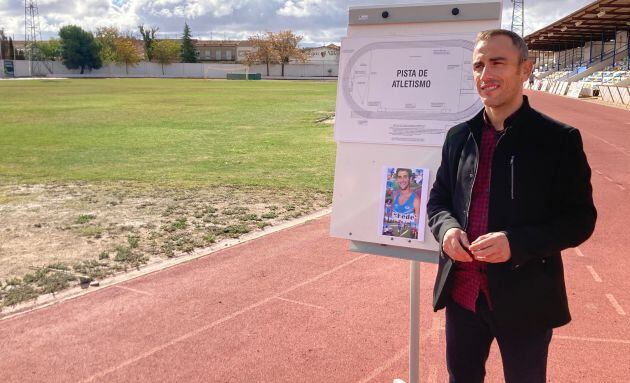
{"type": "Point", "coordinates": [367, 87]}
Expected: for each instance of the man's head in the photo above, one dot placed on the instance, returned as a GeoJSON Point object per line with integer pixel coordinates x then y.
{"type": "Point", "coordinates": [500, 66]}
{"type": "Point", "coordinates": [403, 178]}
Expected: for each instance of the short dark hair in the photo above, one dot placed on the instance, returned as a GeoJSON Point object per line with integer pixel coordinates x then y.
{"type": "Point", "coordinates": [517, 40]}
{"type": "Point", "coordinates": [404, 170]}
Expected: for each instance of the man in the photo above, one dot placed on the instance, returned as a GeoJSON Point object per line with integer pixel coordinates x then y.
{"type": "Point", "coordinates": [512, 191]}
{"type": "Point", "coordinates": [406, 204]}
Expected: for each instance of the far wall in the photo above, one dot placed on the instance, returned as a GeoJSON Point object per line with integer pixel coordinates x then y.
{"type": "Point", "coordinates": [197, 70]}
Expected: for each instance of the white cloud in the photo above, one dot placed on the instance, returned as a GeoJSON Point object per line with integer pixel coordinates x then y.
{"type": "Point", "coordinates": [306, 8]}
{"type": "Point", "coordinates": [319, 21]}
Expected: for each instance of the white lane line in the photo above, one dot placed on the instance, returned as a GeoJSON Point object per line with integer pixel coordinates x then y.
{"type": "Point", "coordinates": [436, 325]}
{"type": "Point", "coordinates": [432, 378]}
{"type": "Point", "coordinates": [603, 340]}
{"type": "Point", "coordinates": [609, 179]}
{"type": "Point", "coordinates": [217, 322]}
{"type": "Point", "coordinates": [578, 252]}
{"type": "Point", "coordinates": [134, 290]}
{"type": "Point", "coordinates": [593, 273]}
{"type": "Point", "coordinates": [615, 304]}
{"type": "Point", "coordinates": [300, 303]}
{"type": "Point", "coordinates": [608, 143]}
{"type": "Point", "coordinates": [390, 362]}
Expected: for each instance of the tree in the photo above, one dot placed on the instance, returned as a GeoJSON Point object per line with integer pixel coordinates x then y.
{"type": "Point", "coordinates": [11, 48]}
{"type": "Point", "coordinates": [166, 52]}
{"type": "Point", "coordinates": [79, 49]}
{"type": "Point", "coordinates": [106, 37]}
{"type": "Point", "coordinates": [49, 50]}
{"type": "Point", "coordinates": [188, 50]}
{"type": "Point", "coordinates": [263, 50]}
{"type": "Point", "coordinates": [148, 36]}
{"type": "Point", "coordinates": [5, 51]}
{"type": "Point", "coordinates": [285, 45]}
{"type": "Point", "coordinates": [126, 53]}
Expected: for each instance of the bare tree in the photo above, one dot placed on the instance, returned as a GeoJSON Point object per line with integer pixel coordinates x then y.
{"type": "Point", "coordinates": [148, 36]}
{"type": "Point", "coordinates": [263, 51]}
{"type": "Point", "coordinates": [285, 45]}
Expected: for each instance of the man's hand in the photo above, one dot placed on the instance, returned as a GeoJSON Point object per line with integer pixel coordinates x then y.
{"type": "Point", "coordinates": [491, 248]}
{"type": "Point", "coordinates": [454, 244]}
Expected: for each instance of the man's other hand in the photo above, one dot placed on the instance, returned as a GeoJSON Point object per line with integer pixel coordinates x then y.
{"type": "Point", "coordinates": [491, 248]}
{"type": "Point", "coordinates": [455, 243]}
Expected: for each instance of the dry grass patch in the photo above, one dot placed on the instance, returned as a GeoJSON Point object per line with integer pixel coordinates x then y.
{"type": "Point", "coordinates": [55, 235]}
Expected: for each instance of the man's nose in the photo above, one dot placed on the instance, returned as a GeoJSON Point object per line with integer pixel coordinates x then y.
{"type": "Point", "coordinates": [486, 73]}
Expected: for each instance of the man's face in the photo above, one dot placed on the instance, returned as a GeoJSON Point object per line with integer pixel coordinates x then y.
{"type": "Point", "coordinates": [498, 73]}
{"type": "Point", "coordinates": [403, 180]}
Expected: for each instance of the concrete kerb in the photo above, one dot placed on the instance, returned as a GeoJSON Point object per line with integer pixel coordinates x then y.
{"type": "Point", "coordinates": [78, 291]}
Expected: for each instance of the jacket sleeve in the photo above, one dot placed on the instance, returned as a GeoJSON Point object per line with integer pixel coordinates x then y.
{"type": "Point", "coordinates": [440, 204]}
{"type": "Point", "coordinates": [574, 213]}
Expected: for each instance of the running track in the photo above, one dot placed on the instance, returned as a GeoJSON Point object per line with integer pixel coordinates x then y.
{"type": "Point", "coordinates": [296, 306]}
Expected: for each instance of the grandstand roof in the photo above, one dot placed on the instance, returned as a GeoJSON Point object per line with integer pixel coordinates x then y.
{"type": "Point", "coordinates": [601, 16]}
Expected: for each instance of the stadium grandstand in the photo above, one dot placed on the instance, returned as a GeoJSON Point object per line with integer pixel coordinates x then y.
{"type": "Point", "coordinates": [585, 54]}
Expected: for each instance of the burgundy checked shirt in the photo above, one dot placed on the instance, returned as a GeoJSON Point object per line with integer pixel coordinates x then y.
{"type": "Point", "coordinates": [470, 278]}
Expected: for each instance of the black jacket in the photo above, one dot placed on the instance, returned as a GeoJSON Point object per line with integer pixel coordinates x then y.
{"type": "Point", "coordinates": [540, 195]}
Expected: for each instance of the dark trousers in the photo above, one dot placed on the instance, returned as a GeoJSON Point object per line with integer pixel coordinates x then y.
{"type": "Point", "coordinates": [468, 339]}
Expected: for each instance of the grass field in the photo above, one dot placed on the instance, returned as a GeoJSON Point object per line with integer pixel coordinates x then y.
{"type": "Point", "coordinates": [178, 132]}
{"type": "Point", "coordinates": [101, 175]}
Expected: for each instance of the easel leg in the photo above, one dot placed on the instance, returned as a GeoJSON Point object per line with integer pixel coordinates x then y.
{"type": "Point", "coordinates": [414, 324]}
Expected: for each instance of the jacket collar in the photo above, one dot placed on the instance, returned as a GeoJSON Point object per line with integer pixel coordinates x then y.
{"type": "Point", "coordinates": [517, 119]}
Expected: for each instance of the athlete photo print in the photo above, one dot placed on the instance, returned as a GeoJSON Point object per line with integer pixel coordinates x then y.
{"type": "Point", "coordinates": [403, 202]}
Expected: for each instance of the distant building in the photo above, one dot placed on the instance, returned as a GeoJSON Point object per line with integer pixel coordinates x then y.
{"type": "Point", "coordinates": [242, 49]}
{"type": "Point", "coordinates": [232, 51]}
{"type": "Point", "coordinates": [216, 50]}
{"type": "Point", "coordinates": [327, 54]}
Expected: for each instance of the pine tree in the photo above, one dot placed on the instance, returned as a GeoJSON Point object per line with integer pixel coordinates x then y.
{"type": "Point", "coordinates": [11, 49]}
{"type": "Point", "coordinates": [188, 50]}
{"type": "Point", "coordinates": [79, 50]}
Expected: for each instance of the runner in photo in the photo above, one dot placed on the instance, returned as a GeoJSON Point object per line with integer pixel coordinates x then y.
{"type": "Point", "coordinates": [402, 204]}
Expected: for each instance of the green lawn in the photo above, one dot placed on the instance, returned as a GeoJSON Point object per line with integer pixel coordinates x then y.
{"type": "Point", "coordinates": [168, 132]}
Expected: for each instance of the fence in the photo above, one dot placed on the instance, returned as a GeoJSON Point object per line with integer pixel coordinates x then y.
{"type": "Point", "coordinates": [182, 70]}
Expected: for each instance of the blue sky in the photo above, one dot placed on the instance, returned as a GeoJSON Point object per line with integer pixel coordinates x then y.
{"type": "Point", "coordinates": [319, 21]}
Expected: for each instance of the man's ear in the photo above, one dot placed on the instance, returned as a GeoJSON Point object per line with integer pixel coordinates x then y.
{"type": "Point", "coordinates": [527, 67]}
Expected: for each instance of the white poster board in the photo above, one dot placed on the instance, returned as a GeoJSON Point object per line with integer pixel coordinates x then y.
{"type": "Point", "coordinates": [404, 90]}
{"type": "Point", "coordinates": [386, 117]}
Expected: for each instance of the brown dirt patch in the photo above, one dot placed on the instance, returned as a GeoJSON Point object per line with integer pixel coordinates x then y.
{"type": "Point", "coordinates": [99, 229]}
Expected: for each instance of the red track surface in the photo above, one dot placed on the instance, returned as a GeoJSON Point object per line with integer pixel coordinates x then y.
{"type": "Point", "coordinates": [296, 306]}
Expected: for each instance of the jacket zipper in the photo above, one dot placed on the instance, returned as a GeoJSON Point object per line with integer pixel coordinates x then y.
{"type": "Point", "coordinates": [472, 185]}
{"type": "Point", "coordinates": [512, 175]}
{"type": "Point", "coordinates": [511, 164]}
